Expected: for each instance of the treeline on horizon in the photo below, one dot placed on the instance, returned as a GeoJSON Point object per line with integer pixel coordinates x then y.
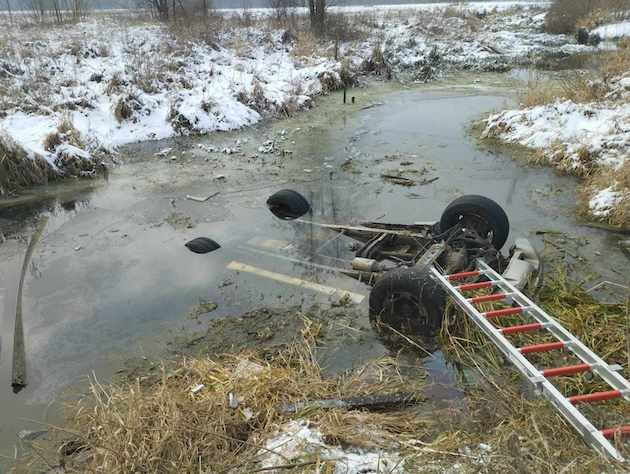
{"type": "Point", "coordinates": [17, 5]}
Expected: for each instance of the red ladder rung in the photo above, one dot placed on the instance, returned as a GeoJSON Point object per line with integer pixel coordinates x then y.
{"type": "Point", "coordinates": [475, 286]}
{"type": "Point", "coordinates": [487, 298]}
{"type": "Point", "coordinates": [611, 432]}
{"type": "Point", "coordinates": [503, 312]}
{"type": "Point", "coordinates": [462, 275]}
{"type": "Point", "coordinates": [521, 328]}
{"type": "Point", "coordinates": [595, 397]}
{"type": "Point", "coordinates": [567, 370]}
{"type": "Point", "coordinates": [547, 346]}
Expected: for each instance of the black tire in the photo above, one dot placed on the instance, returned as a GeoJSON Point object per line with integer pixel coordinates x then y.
{"type": "Point", "coordinates": [202, 245]}
{"type": "Point", "coordinates": [483, 214]}
{"type": "Point", "coordinates": [409, 301]}
{"type": "Point", "coordinates": [288, 204]}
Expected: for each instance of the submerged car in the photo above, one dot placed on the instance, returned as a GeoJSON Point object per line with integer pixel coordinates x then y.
{"type": "Point", "coordinates": [402, 263]}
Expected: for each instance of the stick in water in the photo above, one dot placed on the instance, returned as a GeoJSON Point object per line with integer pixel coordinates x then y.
{"type": "Point", "coordinates": [18, 379]}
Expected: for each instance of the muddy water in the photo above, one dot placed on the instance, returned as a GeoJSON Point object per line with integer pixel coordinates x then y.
{"type": "Point", "coordinates": [111, 278]}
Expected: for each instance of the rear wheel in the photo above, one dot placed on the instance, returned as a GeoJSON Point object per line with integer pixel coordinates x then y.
{"type": "Point", "coordinates": [288, 204]}
{"type": "Point", "coordinates": [408, 301]}
{"type": "Point", "coordinates": [480, 213]}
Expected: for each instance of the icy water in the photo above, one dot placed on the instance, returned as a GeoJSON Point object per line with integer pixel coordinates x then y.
{"type": "Point", "coordinates": [111, 278]}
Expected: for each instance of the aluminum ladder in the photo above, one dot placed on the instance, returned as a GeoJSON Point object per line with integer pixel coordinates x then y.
{"type": "Point", "coordinates": [505, 292]}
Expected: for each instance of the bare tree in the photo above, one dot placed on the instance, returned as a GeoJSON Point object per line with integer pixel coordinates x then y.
{"type": "Point", "coordinates": [9, 10]}
{"type": "Point", "coordinates": [161, 7]}
{"type": "Point", "coordinates": [317, 12]}
{"type": "Point", "coordinates": [282, 7]}
{"type": "Point", "coordinates": [57, 11]}
{"type": "Point", "coordinates": [38, 9]}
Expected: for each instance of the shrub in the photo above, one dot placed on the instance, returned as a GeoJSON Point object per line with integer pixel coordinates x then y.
{"type": "Point", "coordinates": [377, 63]}
{"type": "Point", "coordinates": [52, 141]}
{"type": "Point", "coordinates": [18, 170]}
{"type": "Point", "coordinates": [114, 85]}
{"type": "Point", "coordinates": [339, 27]}
{"type": "Point", "coordinates": [581, 36]}
{"type": "Point", "coordinates": [565, 15]}
{"type": "Point", "coordinates": [594, 39]}
{"type": "Point", "coordinates": [122, 110]}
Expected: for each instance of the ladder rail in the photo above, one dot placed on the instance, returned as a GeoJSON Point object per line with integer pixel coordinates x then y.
{"type": "Point", "coordinates": [580, 423]}
{"type": "Point", "coordinates": [525, 366]}
{"type": "Point", "coordinates": [572, 343]}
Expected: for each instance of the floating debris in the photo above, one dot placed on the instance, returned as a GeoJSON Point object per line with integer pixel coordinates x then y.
{"type": "Point", "coordinates": [400, 180]}
{"type": "Point", "coordinates": [164, 152]}
{"type": "Point", "coordinates": [207, 148]}
{"type": "Point", "coordinates": [30, 435]}
{"type": "Point", "coordinates": [197, 388]}
{"type": "Point", "coordinates": [201, 199]}
{"type": "Point", "coordinates": [267, 147]}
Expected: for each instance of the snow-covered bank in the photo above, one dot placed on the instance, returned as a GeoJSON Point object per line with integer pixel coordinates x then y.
{"type": "Point", "coordinates": [121, 85]}
{"type": "Point", "coordinates": [587, 139]}
{"type": "Point", "coordinates": [614, 30]}
{"type": "Point", "coordinates": [70, 94]}
{"type": "Point", "coordinates": [574, 136]}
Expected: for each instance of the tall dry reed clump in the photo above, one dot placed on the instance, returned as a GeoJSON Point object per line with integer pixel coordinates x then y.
{"type": "Point", "coordinates": [18, 170]}
{"type": "Point", "coordinates": [564, 15]}
{"type": "Point", "coordinates": [205, 415]}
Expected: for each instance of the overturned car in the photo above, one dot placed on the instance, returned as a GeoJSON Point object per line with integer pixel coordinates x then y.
{"type": "Point", "coordinates": [406, 264]}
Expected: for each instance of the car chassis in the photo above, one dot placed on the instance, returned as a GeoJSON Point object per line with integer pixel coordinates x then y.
{"type": "Point", "coordinates": [397, 260]}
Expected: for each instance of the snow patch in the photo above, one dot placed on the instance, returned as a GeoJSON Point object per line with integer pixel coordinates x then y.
{"type": "Point", "coordinates": [297, 439]}
{"type": "Point", "coordinates": [597, 131]}
{"type": "Point", "coordinates": [613, 30]}
{"type": "Point", "coordinates": [604, 201]}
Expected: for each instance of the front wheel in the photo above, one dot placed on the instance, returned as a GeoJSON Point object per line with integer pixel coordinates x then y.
{"type": "Point", "coordinates": [407, 301]}
{"type": "Point", "coordinates": [480, 213]}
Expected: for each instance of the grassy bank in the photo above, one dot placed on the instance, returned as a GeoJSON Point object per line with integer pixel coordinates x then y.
{"type": "Point", "coordinates": [578, 124]}
{"type": "Point", "coordinates": [222, 410]}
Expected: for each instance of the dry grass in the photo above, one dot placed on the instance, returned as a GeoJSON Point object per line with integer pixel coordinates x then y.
{"type": "Point", "coordinates": [619, 180]}
{"type": "Point", "coordinates": [122, 110]}
{"type": "Point", "coordinates": [66, 133]}
{"type": "Point", "coordinates": [156, 423]}
{"type": "Point", "coordinates": [114, 85]}
{"type": "Point", "coordinates": [126, 106]}
{"type": "Point", "coordinates": [525, 433]}
{"type": "Point", "coordinates": [576, 86]}
{"type": "Point", "coordinates": [161, 426]}
{"type": "Point", "coordinates": [618, 62]}
{"type": "Point", "coordinates": [305, 44]}
{"type": "Point", "coordinates": [539, 93]}
{"type": "Point", "coordinates": [17, 170]}
{"type": "Point", "coordinates": [565, 15]}
{"type": "Point", "coordinates": [377, 63]}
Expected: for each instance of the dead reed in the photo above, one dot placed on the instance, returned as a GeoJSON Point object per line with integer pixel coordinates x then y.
{"type": "Point", "coordinates": [184, 421]}
{"type": "Point", "coordinates": [18, 170]}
